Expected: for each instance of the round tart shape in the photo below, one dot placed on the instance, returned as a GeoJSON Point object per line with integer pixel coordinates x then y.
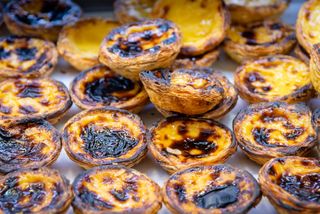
{"type": "Point", "coordinates": [274, 78]}
{"type": "Point", "coordinates": [24, 99]}
{"type": "Point", "coordinates": [133, 10]}
{"type": "Point", "coordinates": [99, 86]}
{"type": "Point", "coordinates": [40, 191]}
{"type": "Point", "coordinates": [25, 57]}
{"type": "Point", "coordinates": [115, 189]}
{"type": "Point", "coordinates": [211, 189]}
{"type": "Point", "coordinates": [178, 143]}
{"type": "Point", "coordinates": [249, 42]}
{"type": "Point", "coordinates": [302, 54]}
{"type": "Point", "coordinates": [40, 18]}
{"type": "Point", "coordinates": [199, 92]}
{"type": "Point", "coordinates": [205, 60]}
{"type": "Point", "coordinates": [315, 67]}
{"type": "Point", "coordinates": [306, 30]}
{"type": "Point", "coordinates": [79, 43]}
{"type": "Point", "coordinates": [140, 46]}
{"type": "Point", "coordinates": [268, 130]}
{"type": "Point", "coordinates": [292, 184]}
{"type": "Point", "coordinates": [104, 136]}
{"type": "Point", "coordinates": [203, 24]}
{"type": "Point", "coordinates": [248, 11]}
{"type": "Point", "coordinates": [29, 144]}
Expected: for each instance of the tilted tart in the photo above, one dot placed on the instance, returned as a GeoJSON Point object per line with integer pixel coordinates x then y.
{"type": "Point", "coordinates": [211, 189]}
{"type": "Point", "coordinates": [179, 142]}
{"type": "Point", "coordinates": [79, 43]}
{"type": "Point", "coordinates": [315, 67]}
{"type": "Point", "coordinates": [292, 184]}
{"type": "Point", "coordinates": [23, 99]}
{"type": "Point", "coordinates": [203, 24]}
{"type": "Point", "coordinates": [26, 57]}
{"type": "Point", "coordinates": [140, 46]}
{"type": "Point", "coordinates": [198, 91]}
{"type": "Point", "coordinates": [204, 60]}
{"type": "Point", "coordinates": [306, 27]}
{"type": "Point", "coordinates": [115, 189]}
{"type": "Point", "coordinates": [40, 18]}
{"type": "Point", "coordinates": [267, 130]}
{"type": "Point", "coordinates": [274, 78]}
{"type": "Point", "coordinates": [40, 191]}
{"type": "Point", "coordinates": [248, 11]}
{"type": "Point", "coordinates": [249, 42]}
{"type": "Point", "coordinates": [30, 144]}
{"type": "Point", "coordinates": [104, 136]}
{"type": "Point", "coordinates": [99, 86]}
{"type": "Point", "coordinates": [302, 54]}
{"type": "Point", "coordinates": [133, 10]}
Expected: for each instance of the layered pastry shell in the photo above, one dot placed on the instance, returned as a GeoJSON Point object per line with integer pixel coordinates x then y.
{"type": "Point", "coordinates": [292, 184]}
{"type": "Point", "coordinates": [104, 136]}
{"type": "Point", "coordinates": [115, 189]}
{"type": "Point", "coordinates": [178, 143]}
{"type": "Point", "coordinates": [203, 24]}
{"type": "Point", "coordinates": [268, 130]}
{"type": "Point", "coordinates": [315, 67]}
{"type": "Point", "coordinates": [140, 46]}
{"type": "Point", "coordinates": [302, 54]}
{"type": "Point", "coordinates": [79, 42]}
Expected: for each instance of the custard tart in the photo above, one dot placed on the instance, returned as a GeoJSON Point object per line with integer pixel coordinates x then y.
{"type": "Point", "coordinates": [177, 143]}
{"type": "Point", "coordinates": [24, 99]}
{"type": "Point", "coordinates": [307, 30]}
{"type": "Point", "coordinates": [40, 18]}
{"type": "Point", "coordinates": [40, 191]}
{"type": "Point", "coordinates": [211, 189]}
{"type": "Point", "coordinates": [274, 78]}
{"type": "Point", "coordinates": [315, 67]}
{"type": "Point", "coordinates": [79, 43]}
{"type": "Point", "coordinates": [133, 10]}
{"type": "Point", "coordinates": [25, 57]}
{"type": "Point", "coordinates": [29, 144]}
{"type": "Point", "coordinates": [140, 46]}
{"type": "Point", "coordinates": [115, 189]}
{"type": "Point", "coordinates": [203, 24]}
{"type": "Point", "coordinates": [99, 86]}
{"type": "Point", "coordinates": [292, 184]}
{"type": "Point", "coordinates": [103, 136]}
{"type": "Point", "coordinates": [198, 91]}
{"type": "Point", "coordinates": [302, 54]}
{"type": "Point", "coordinates": [248, 11]}
{"type": "Point", "coordinates": [204, 60]}
{"type": "Point", "coordinates": [249, 42]}
{"type": "Point", "coordinates": [268, 130]}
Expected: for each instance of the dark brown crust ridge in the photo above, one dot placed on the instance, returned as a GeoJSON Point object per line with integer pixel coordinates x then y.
{"type": "Point", "coordinates": [302, 54]}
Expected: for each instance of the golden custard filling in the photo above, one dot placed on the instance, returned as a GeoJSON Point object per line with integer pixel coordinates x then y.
{"type": "Point", "coordinates": [197, 20]}
{"type": "Point", "coordinates": [274, 76]}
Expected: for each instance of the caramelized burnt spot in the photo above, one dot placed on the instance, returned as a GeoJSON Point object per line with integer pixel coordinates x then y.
{"type": "Point", "coordinates": [32, 90]}
{"type": "Point", "coordinates": [137, 38]}
{"type": "Point", "coordinates": [253, 78]}
{"type": "Point", "coordinates": [25, 53]}
{"type": "Point", "coordinates": [101, 143]}
{"type": "Point", "coordinates": [304, 187]}
{"type": "Point", "coordinates": [93, 199]}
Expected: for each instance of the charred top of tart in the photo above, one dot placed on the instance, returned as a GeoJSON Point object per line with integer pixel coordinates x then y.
{"type": "Point", "coordinates": [41, 190]}
{"type": "Point", "coordinates": [103, 136]}
{"type": "Point", "coordinates": [188, 141]}
{"type": "Point", "coordinates": [218, 188]}
{"type": "Point", "coordinates": [99, 86]}
{"type": "Point", "coordinates": [30, 144]}
{"type": "Point", "coordinates": [275, 129]}
{"type": "Point", "coordinates": [274, 78]}
{"type": "Point", "coordinates": [26, 56]}
{"type": "Point", "coordinates": [116, 189]}
{"type": "Point", "coordinates": [39, 98]}
{"type": "Point", "coordinates": [295, 181]}
{"type": "Point", "coordinates": [140, 38]}
{"type": "Point", "coordinates": [43, 13]}
{"type": "Point", "coordinates": [265, 33]}
{"type": "Point", "coordinates": [133, 10]}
